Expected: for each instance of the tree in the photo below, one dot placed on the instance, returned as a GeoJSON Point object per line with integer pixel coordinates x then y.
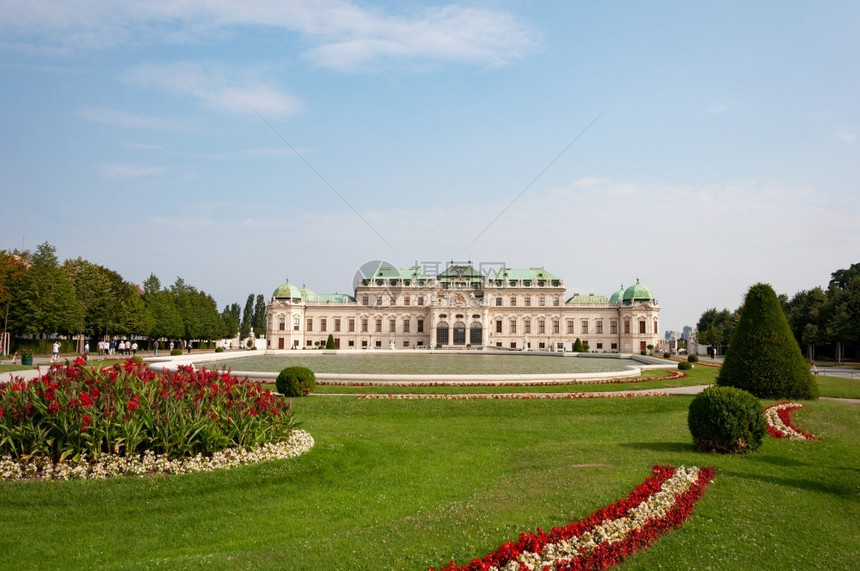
{"type": "Point", "coordinates": [92, 284]}
{"type": "Point", "coordinates": [48, 303]}
{"type": "Point", "coordinates": [329, 342]}
{"type": "Point", "coordinates": [166, 320]}
{"type": "Point", "coordinates": [805, 313]}
{"type": "Point", "coordinates": [715, 328]}
{"type": "Point", "coordinates": [765, 358]}
{"type": "Point", "coordinates": [259, 320]}
{"type": "Point", "coordinates": [247, 317]}
{"type": "Point", "coordinates": [231, 316]}
{"type": "Point", "coordinates": [13, 268]}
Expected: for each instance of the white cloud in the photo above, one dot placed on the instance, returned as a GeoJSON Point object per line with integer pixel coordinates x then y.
{"type": "Point", "coordinates": [342, 34]}
{"type": "Point", "coordinates": [126, 172]}
{"type": "Point", "coordinates": [718, 108]}
{"type": "Point", "coordinates": [846, 136]}
{"type": "Point", "coordinates": [117, 118]}
{"type": "Point", "coordinates": [216, 86]}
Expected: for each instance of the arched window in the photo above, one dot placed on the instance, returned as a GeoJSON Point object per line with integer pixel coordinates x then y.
{"type": "Point", "coordinates": [442, 333]}
{"type": "Point", "coordinates": [459, 333]}
{"type": "Point", "coordinates": [476, 333]}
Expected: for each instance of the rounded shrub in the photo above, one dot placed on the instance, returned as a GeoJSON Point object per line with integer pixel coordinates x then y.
{"type": "Point", "coordinates": [296, 381]}
{"type": "Point", "coordinates": [685, 366]}
{"type": "Point", "coordinates": [219, 349]}
{"type": "Point", "coordinates": [765, 358]}
{"type": "Point", "coordinates": [176, 352]}
{"type": "Point", "coordinates": [666, 355]}
{"type": "Point", "coordinates": [726, 420]}
{"type": "Point", "coordinates": [692, 358]}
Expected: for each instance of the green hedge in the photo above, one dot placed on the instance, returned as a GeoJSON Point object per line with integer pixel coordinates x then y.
{"type": "Point", "coordinates": [765, 358]}
{"type": "Point", "coordinates": [296, 381]}
{"type": "Point", "coordinates": [726, 420]}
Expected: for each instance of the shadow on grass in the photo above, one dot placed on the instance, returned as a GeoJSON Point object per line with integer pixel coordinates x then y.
{"type": "Point", "coordinates": [817, 486]}
{"type": "Point", "coordinates": [660, 446]}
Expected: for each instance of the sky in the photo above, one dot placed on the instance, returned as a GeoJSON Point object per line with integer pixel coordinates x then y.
{"type": "Point", "coordinates": [699, 147]}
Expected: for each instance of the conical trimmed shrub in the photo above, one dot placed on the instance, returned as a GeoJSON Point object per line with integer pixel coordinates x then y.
{"type": "Point", "coordinates": [764, 357]}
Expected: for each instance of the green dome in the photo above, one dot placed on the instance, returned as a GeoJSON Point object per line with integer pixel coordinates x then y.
{"type": "Point", "coordinates": [616, 297]}
{"type": "Point", "coordinates": [287, 291]}
{"type": "Point", "coordinates": [637, 292]}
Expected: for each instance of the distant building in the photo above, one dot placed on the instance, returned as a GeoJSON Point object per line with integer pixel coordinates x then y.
{"type": "Point", "coordinates": [518, 309]}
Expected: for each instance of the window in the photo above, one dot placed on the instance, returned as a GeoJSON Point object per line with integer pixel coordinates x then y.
{"type": "Point", "coordinates": [364, 325]}
{"type": "Point", "coordinates": [600, 345]}
{"type": "Point", "coordinates": [337, 323]}
{"type": "Point", "coordinates": [309, 343]}
{"type": "Point", "coordinates": [570, 326]}
{"type": "Point", "coordinates": [627, 327]}
{"type": "Point", "coordinates": [513, 328]}
{"type": "Point", "coordinates": [555, 301]}
{"type": "Point", "coordinates": [541, 326]}
{"type": "Point", "coordinates": [555, 329]}
{"type": "Point", "coordinates": [442, 333]}
{"type": "Point", "coordinates": [513, 344]}
{"type": "Point", "coordinates": [406, 300]}
{"type": "Point", "coordinates": [379, 325]}
{"type": "Point", "coordinates": [310, 324]}
{"type": "Point", "coordinates": [655, 327]}
{"type": "Point", "coordinates": [542, 301]}
{"type": "Point", "coordinates": [498, 302]}
{"type": "Point", "coordinates": [378, 300]}
{"type": "Point", "coordinates": [584, 327]}
{"type": "Point", "coordinates": [513, 301]}
{"type": "Point", "coordinates": [406, 324]}
{"type": "Point", "coordinates": [322, 323]}
{"type": "Point", "coordinates": [476, 333]}
{"type": "Point", "coordinates": [614, 346]}
{"type": "Point", "coordinates": [498, 326]}
{"type": "Point", "coordinates": [527, 301]}
{"type": "Point", "coordinates": [282, 323]}
{"type": "Point", "coordinates": [392, 325]}
{"type": "Point", "coordinates": [378, 343]}
{"type": "Point", "coordinates": [352, 342]}
{"type": "Point", "coordinates": [420, 300]}
{"type": "Point", "coordinates": [365, 299]}
{"type": "Point", "coordinates": [364, 344]}
{"type": "Point", "coordinates": [295, 323]}
{"type": "Point", "coordinates": [406, 342]}
{"type": "Point", "coordinates": [351, 325]}
{"type": "Point", "coordinates": [599, 327]}
{"type": "Point", "coordinates": [642, 327]}
{"type": "Point", "coordinates": [420, 326]}
{"type": "Point", "coordinates": [613, 327]}
{"type": "Point", "coordinates": [527, 326]}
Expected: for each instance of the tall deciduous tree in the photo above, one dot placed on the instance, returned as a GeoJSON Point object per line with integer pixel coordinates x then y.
{"type": "Point", "coordinates": [247, 317]}
{"type": "Point", "coordinates": [259, 321]}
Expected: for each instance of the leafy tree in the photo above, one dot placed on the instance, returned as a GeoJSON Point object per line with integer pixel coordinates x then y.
{"type": "Point", "coordinates": [247, 317]}
{"type": "Point", "coordinates": [133, 317]}
{"type": "Point", "coordinates": [259, 320]}
{"type": "Point", "coordinates": [47, 301]}
{"type": "Point", "coordinates": [715, 328]}
{"type": "Point", "coordinates": [329, 342]}
{"type": "Point", "coordinates": [765, 358]}
{"type": "Point", "coordinates": [231, 316]}
{"type": "Point", "coordinates": [166, 319]}
{"type": "Point", "coordinates": [805, 314]}
{"type": "Point", "coordinates": [13, 269]}
{"type": "Point", "coordinates": [92, 284]}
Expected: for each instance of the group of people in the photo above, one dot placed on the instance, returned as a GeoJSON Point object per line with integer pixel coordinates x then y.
{"type": "Point", "coordinates": [121, 347]}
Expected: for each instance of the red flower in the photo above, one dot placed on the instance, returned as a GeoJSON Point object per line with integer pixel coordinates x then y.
{"type": "Point", "coordinates": [86, 420]}
{"type": "Point", "coordinates": [133, 404]}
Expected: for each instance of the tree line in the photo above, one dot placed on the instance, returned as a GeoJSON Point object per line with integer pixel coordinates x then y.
{"type": "Point", "coordinates": [42, 298]}
{"type": "Point", "coordinates": [824, 321]}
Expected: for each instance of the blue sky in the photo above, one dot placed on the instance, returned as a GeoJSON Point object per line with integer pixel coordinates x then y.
{"type": "Point", "coordinates": [700, 147]}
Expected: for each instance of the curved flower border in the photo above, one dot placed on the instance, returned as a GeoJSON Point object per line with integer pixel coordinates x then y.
{"type": "Point", "coordinates": [604, 539]}
{"type": "Point", "coordinates": [779, 423]}
{"type": "Point", "coordinates": [512, 396]}
{"type": "Point", "coordinates": [673, 375]}
{"type": "Point", "coordinates": [151, 464]}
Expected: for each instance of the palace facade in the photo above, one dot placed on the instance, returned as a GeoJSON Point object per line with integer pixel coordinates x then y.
{"type": "Point", "coordinates": [461, 307]}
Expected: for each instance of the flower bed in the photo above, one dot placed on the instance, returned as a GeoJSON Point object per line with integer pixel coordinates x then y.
{"type": "Point", "coordinates": [779, 423]}
{"type": "Point", "coordinates": [78, 420]}
{"type": "Point", "coordinates": [514, 396]}
{"type": "Point", "coordinates": [672, 375]}
{"type": "Point", "coordinates": [608, 536]}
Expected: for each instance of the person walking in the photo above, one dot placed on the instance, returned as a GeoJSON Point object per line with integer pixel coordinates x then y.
{"type": "Point", "coordinates": [155, 348]}
{"type": "Point", "coordinates": [55, 352]}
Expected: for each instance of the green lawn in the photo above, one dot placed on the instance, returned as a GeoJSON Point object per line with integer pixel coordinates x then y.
{"type": "Point", "coordinates": [410, 484]}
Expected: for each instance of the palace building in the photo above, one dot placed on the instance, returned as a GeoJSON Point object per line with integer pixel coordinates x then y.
{"type": "Point", "coordinates": [462, 307]}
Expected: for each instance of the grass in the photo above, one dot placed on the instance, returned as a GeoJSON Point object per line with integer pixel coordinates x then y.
{"type": "Point", "coordinates": [410, 484]}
